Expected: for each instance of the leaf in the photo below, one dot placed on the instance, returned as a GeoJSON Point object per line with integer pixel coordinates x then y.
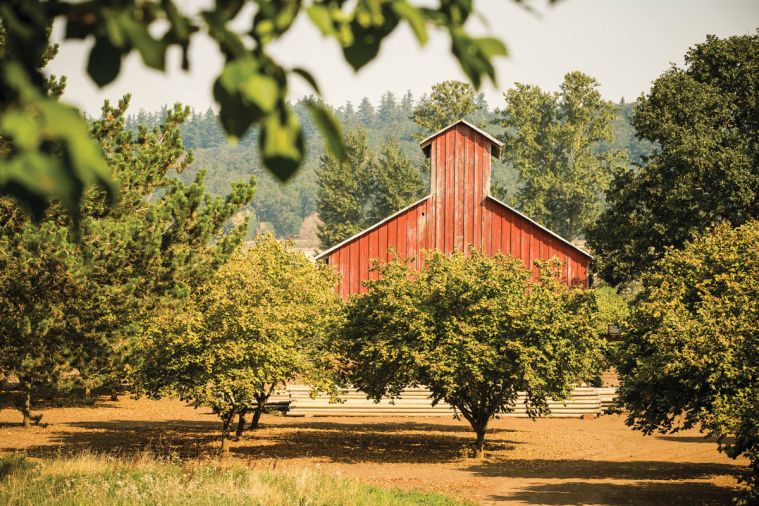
{"type": "Point", "coordinates": [414, 17]}
{"type": "Point", "coordinates": [104, 62]}
{"type": "Point", "coordinates": [329, 127]}
{"type": "Point", "coordinates": [321, 17]}
{"type": "Point", "coordinates": [153, 51]}
{"type": "Point", "coordinates": [308, 77]}
{"type": "Point", "coordinates": [490, 47]}
{"type": "Point", "coordinates": [262, 91]}
{"type": "Point", "coordinates": [282, 144]}
{"type": "Point", "coordinates": [22, 129]}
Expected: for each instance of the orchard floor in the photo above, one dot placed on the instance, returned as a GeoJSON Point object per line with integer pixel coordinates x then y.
{"type": "Point", "coordinates": [548, 461]}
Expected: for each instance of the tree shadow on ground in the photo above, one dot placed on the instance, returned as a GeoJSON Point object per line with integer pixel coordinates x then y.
{"type": "Point", "coordinates": [694, 439]}
{"type": "Point", "coordinates": [385, 442]}
{"type": "Point", "coordinates": [602, 469]}
{"type": "Point", "coordinates": [640, 493]}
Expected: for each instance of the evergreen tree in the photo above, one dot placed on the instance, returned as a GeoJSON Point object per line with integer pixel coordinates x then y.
{"type": "Point", "coordinates": [364, 188]}
{"type": "Point", "coordinates": [343, 188]}
{"type": "Point", "coordinates": [387, 113]}
{"type": "Point", "coordinates": [365, 113]}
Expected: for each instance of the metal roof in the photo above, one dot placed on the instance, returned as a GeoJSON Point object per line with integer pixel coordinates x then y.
{"type": "Point", "coordinates": [554, 234]}
{"type": "Point", "coordinates": [368, 229]}
{"type": "Point", "coordinates": [495, 150]}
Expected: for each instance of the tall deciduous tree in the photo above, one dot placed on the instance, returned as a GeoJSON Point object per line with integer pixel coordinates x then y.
{"type": "Point", "coordinates": [689, 356]}
{"type": "Point", "coordinates": [363, 188]}
{"type": "Point", "coordinates": [262, 321]}
{"type": "Point", "coordinates": [449, 101]}
{"type": "Point", "coordinates": [476, 331]}
{"type": "Point", "coordinates": [704, 119]}
{"type": "Point", "coordinates": [75, 299]}
{"type": "Point", "coordinates": [551, 139]}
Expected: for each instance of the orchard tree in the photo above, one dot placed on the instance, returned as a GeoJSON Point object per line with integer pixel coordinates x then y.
{"type": "Point", "coordinates": [363, 188]}
{"type": "Point", "coordinates": [552, 140]}
{"type": "Point", "coordinates": [261, 322]}
{"type": "Point", "coordinates": [449, 101]}
{"type": "Point", "coordinates": [51, 140]}
{"type": "Point", "coordinates": [75, 299]}
{"type": "Point", "coordinates": [476, 330]}
{"type": "Point", "coordinates": [689, 356]}
{"type": "Point", "coordinates": [703, 118]}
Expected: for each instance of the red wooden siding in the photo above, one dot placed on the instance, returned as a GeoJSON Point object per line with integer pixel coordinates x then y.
{"type": "Point", "coordinates": [458, 215]}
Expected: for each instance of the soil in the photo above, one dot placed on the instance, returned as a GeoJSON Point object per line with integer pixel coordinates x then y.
{"type": "Point", "coordinates": [547, 461]}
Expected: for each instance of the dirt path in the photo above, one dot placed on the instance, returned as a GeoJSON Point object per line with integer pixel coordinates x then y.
{"type": "Point", "coordinates": [549, 461]}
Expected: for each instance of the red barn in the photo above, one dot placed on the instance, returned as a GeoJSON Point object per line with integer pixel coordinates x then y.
{"type": "Point", "coordinates": [458, 214]}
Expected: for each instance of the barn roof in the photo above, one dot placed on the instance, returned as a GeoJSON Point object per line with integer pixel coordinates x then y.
{"type": "Point", "coordinates": [370, 228]}
{"type": "Point", "coordinates": [379, 223]}
{"type": "Point", "coordinates": [496, 146]}
{"type": "Point", "coordinates": [551, 232]}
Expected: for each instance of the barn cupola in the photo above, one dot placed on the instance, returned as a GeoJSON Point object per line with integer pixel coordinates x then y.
{"type": "Point", "coordinates": [460, 156]}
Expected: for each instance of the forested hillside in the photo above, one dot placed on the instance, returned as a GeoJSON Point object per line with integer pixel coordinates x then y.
{"type": "Point", "coordinates": [283, 207]}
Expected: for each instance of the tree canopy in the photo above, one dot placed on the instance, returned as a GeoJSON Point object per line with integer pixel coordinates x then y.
{"type": "Point", "coordinates": [704, 120]}
{"type": "Point", "coordinates": [74, 299]}
{"type": "Point", "coordinates": [689, 356]}
{"type": "Point", "coordinates": [260, 322]}
{"type": "Point", "coordinates": [476, 331]}
{"type": "Point", "coordinates": [449, 101]}
{"type": "Point", "coordinates": [551, 139]}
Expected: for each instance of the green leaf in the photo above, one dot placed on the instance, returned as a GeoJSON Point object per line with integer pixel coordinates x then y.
{"type": "Point", "coordinates": [104, 62]}
{"type": "Point", "coordinates": [153, 51]}
{"type": "Point", "coordinates": [22, 129]}
{"type": "Point", "coordinates": [329, 127]}
{"type": "Point", "coordinates": [321, 17]}
{"type": "Point", "coordinates": [308, 77]}
{"type": "Point", "coordinates": [262, 91]}
{"type": "Point", "coordinates": [414, 17]}
{"type": "Point", "coordinates": [491, 47]}
{"type": "Point", "coordinates": [281, 143]}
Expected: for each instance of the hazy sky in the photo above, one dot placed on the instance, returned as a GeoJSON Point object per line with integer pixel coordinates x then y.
{"type": "Point", "coordinates": [625, 44]}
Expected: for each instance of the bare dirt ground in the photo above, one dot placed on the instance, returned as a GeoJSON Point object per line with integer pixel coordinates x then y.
{"type": "Point", "coordinates": [548, 461]}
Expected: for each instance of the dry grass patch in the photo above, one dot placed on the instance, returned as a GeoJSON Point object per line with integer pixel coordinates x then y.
{"type": "Point", "coordinates": [143, 479]}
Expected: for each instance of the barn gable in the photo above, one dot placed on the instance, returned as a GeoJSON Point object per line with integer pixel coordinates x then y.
{"type": "Point", "coordinates": [458, 214]}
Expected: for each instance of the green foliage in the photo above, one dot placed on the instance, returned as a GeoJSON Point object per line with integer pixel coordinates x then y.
{"type": "Point", "coordinates": [704, 120]}
{"type": "Point", "coordinates": [109, 481]}
{"type": "Point", "coordinates": [449, 101]}
{"type": "Point", "coordinates": [363, 189]}
{"type": "Point", "coordinates": [689, 356]}
{"type": "Point", "coordinates": [260, 322]}
{"type": "Point", "coordinates": [476, 331]}
{"type": "Point", "coordinates": [74, 300]}
{"type": "Point", "coordinates": [251, 89]}
{"type": "Point", "coordinates": [551, 139]}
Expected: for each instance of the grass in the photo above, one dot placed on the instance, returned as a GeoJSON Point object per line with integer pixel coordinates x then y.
{"type": "Point", "coordinates": [105, 481]}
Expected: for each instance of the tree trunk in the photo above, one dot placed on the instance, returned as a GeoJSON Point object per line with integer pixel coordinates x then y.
{"type": "Point", "coordinates": [87, 392]}
{"type": "Point", "coordinates": [26, 407]}
{"type": "Point", "coordinates": [226, 422]}
{"type": "Point", "coordinates": [240, 424]}
{"type": "Point", "coordinates": [256, 416]}
{"type": "Point", "coordinates": [479, 444]}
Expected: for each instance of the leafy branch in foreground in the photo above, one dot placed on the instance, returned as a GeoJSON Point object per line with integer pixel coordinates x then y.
{"type": "Point", "coordinates": [50, 141]}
